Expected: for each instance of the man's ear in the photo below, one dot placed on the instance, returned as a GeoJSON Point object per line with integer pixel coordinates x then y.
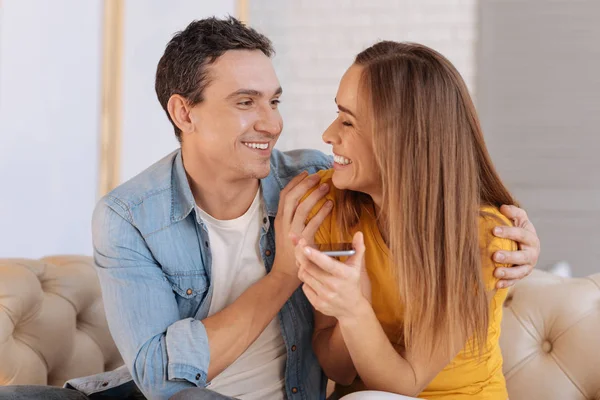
{"type": "Point", "coordinates": [179, 111]}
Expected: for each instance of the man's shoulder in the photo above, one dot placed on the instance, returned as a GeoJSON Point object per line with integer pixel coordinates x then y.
{"type": "Point", "coordinates": [288, 164]}
{"type": "Point", "coordinates": [153, 185]}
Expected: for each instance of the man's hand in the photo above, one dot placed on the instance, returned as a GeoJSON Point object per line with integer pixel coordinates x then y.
{"type": "Point", "coordinates": [291, 217]}
{"type": "Point", "coordinates": [524, 260]}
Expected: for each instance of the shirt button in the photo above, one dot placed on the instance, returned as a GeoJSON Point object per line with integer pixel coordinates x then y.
{"type": "Point", "coordinates": [294, 348]}
{"type": "Point", "coordinates": [264, 220]}
{"type": "Point", "coordinates": [294, 390]}
{"type": "Point", "coordinates": [189, 291]}
{"type": "Point", "coordinates": [268, 253]}
{"type": "Point", "coordinates": [197, 377]}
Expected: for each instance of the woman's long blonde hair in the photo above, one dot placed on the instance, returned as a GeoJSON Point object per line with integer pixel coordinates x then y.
{"type": "Point", "coordinates": [436, 174]}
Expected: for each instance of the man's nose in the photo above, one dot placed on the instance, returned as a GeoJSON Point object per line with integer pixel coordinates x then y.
{"type": "Point", "coordinates": [269, 122]}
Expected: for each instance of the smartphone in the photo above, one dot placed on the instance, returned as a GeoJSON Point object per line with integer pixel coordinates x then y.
{"type": "Point", "coordinates": [337, 249]}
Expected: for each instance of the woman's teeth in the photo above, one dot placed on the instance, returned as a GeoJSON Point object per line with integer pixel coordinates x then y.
{"type": "Point", "coordinates": [261, 146]}
{"type": "Point", "coordinates": [341, 160]}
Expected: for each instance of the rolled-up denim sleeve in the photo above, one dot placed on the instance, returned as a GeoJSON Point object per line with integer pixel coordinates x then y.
{"type": "Point", "coordinates": [163, 353]}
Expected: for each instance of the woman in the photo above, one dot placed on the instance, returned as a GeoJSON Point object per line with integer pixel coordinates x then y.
{"type": "Point", "coordinates": [417, 194]}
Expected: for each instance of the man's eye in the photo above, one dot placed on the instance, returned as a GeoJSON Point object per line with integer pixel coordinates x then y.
{"type": "Point", "coordinates": [275, 102]}
{"type": "Point", "coordinates": [246, 103]}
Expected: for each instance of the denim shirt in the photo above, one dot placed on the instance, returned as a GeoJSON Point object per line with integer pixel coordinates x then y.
{"type": "Point", "coordinates": [153, 259]}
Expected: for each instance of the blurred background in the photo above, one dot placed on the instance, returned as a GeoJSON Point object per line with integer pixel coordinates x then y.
{"type": "Point", "coordinates": [78, 112]}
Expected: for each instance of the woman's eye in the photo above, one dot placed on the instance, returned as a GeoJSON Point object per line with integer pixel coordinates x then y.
{"type": "Point", "coordinates": [345, 123]}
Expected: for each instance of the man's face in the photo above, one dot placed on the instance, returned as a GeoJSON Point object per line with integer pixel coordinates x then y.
{"type": "Point", "coordinates": [238, 122]}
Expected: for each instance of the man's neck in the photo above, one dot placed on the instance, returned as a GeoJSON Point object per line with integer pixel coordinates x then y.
{"type": "Point", "coordinates": [222, 198]}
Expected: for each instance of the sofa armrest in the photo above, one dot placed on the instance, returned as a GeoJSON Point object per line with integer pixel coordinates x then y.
{"type": "Point", "coordinates": [551, 338]}
{"type": "Point", "coordinates": [52, 322]}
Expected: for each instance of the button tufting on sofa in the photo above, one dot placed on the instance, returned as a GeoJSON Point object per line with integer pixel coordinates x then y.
{"type": "Point", "coordinates": [52, 322]}
{"type": "Point", "coordinates": [550, 338]}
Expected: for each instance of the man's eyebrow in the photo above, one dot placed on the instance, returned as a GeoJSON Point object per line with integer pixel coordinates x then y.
{"type": "Point", "coordinates": [344, 109]}
{"type": "Point", "coordinates": [252, 92]}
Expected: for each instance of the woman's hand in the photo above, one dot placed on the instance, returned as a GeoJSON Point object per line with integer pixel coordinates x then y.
{"type": "Point", "coordinates": [334, 288]}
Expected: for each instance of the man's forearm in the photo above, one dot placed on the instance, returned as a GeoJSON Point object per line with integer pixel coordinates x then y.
{"type": "Point", "coordinates": [232, 330]}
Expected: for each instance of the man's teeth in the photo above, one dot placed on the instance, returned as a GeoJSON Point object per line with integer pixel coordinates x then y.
{"type": "Point", "coordinates": [341, 160]}
{"type": "Point", "coordinates": [261, 146]}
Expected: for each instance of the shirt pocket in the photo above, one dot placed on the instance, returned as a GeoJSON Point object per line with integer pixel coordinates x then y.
{"type": "Point", "coordinates": [190, 290]}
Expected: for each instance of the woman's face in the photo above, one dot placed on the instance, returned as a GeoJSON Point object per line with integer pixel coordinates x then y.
{"type": "Point", "coordinates": [351, 137]}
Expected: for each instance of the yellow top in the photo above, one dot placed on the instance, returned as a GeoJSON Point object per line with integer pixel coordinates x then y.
{"type": "Point", "coordinates": [468, 376]}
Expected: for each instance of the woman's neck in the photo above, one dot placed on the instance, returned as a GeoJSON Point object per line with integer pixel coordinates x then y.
{"type": "Point", "coordinates": [381, 218]}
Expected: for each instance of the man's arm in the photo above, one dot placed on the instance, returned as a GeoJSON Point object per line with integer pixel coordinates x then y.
{"type": "Point", "coordinates": [163, 353]}
{"type": "Point", "coordinates": [232, 330]}
{"type": "Point", "coordinates": [142, 312]}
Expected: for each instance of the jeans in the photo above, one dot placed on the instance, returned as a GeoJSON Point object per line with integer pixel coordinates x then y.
{"type": "Point", "coordinates": [127, 391]}
{"type": "Point", "coordinates": [40, 392]}
{"type": "Point", "coordinates": [199, 394]}
{"type": "Point", "coordinates": [34, 392]}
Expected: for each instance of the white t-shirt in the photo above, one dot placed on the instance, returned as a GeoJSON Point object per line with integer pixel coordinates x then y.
{"type": "Point", "coordinates": [259, 373]}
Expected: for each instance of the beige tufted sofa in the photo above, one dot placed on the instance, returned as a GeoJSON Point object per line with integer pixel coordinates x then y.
{"type": "Point", "coordinates": [52, 323]}
{"type": "Point", "coordinates": [551, 338]}
{"type": "Point", "coordinates": [53, 328]}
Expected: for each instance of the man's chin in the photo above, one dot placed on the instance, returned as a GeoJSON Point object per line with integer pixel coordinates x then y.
{"type": "Point", "coordinates": [266, 172]}
{"type": "Point", "coordinates": [260, 172]}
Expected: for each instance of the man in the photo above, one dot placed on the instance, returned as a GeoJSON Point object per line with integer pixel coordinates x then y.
{"type": "Point", "coordinates": [195, 294]}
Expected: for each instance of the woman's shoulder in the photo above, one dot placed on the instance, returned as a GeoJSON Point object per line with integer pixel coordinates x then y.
{"type": "Point", "coordinates": [326, 178]}
{"type": "Point", "coordinates": [324, 233]}
{"type": "Point", "coordinates": [490, 215]}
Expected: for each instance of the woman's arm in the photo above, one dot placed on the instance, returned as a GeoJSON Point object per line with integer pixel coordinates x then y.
{"type": "Point", "coordinates": [331, 351]}
{"type": "Point", "coordinates": [378, 364]}
{"type": "Point", "coordinates": [334, 289]}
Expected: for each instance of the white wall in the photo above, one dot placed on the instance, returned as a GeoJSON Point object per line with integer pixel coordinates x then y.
{"type": "Point", "coordinates": [539, 102]}
{"type": "Point", "coordinates": [49, 103]}
{"type": "Point", "coordinates": [149, 25]}
{"type": "Point", "coordinates": [50, 72]}
{"type": "Point", "coordinates": [317, 40]}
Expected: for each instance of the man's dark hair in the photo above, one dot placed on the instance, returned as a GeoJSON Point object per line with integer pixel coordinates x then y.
{"type": "Point", "coordinates": [183, 67]}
